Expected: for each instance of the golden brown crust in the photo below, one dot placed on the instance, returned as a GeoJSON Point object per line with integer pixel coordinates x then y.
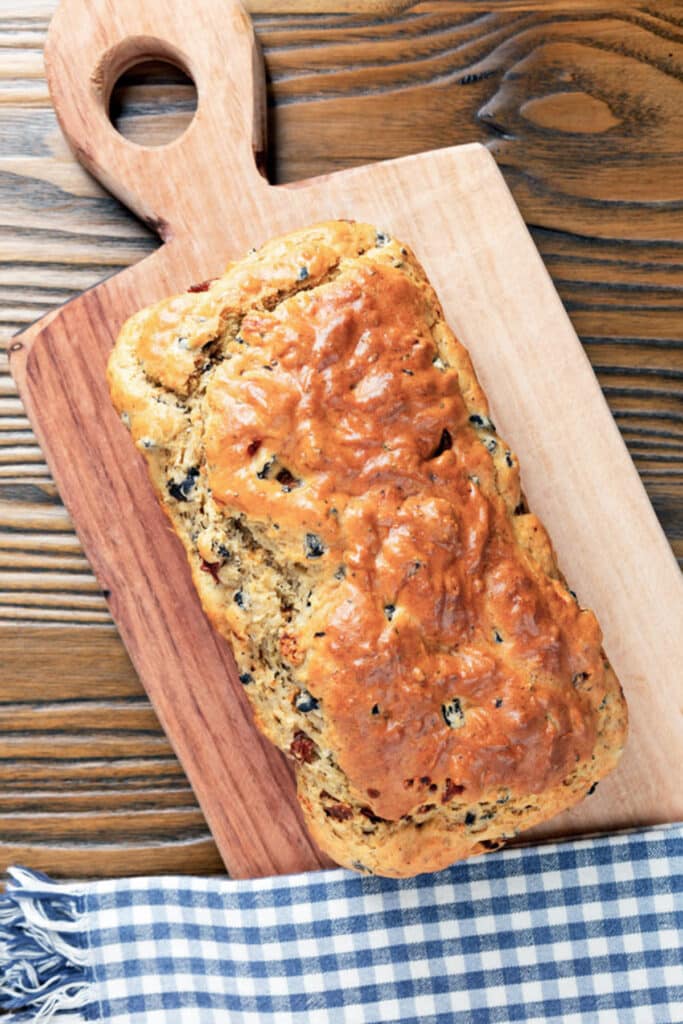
{"type": "Point", "coordinates": [337, 445]}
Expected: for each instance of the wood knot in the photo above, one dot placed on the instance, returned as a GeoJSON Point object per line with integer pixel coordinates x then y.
{"type": "Point", "coordinates": [574, 112]}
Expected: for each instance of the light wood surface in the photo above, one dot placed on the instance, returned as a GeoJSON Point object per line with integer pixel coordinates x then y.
{"type": "Point", "coordinates": [92, 753]}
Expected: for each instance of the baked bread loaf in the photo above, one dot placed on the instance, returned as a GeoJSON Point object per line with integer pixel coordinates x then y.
{"type": "Point", "coordinates": [355, 527]}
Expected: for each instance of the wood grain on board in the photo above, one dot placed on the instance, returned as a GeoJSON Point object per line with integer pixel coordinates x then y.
{"type": "Point", "coordinates": [581, 108]}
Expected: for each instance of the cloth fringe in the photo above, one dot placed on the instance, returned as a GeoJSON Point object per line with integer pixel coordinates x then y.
{"type": "Point", "coordinates": [43, 950]}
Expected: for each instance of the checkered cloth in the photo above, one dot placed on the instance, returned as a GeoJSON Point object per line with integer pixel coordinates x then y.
{"type": "Point", "coordinates": [583, 932]}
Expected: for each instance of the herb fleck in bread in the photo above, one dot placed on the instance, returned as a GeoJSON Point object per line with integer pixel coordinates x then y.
{"type": "Point", "coordinates": [355, 527]}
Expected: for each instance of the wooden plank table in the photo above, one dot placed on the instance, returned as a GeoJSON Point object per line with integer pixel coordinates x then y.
{"type": "Point", "coordinates": [581, 105]}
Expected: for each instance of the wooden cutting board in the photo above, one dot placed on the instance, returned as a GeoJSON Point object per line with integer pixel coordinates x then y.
{"type": "Point", "coordinates": [205, 197]}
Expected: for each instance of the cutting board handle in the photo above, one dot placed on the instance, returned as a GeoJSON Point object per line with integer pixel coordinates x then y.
{"type": "Point", "coordinates": [92, 42]}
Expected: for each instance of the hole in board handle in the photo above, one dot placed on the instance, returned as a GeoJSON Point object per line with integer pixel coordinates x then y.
{"type": "Point", "coordinates": [153, 102]}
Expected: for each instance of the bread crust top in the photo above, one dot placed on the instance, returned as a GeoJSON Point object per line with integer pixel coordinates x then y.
{"type": "Point", "coordinates": [347, 421]}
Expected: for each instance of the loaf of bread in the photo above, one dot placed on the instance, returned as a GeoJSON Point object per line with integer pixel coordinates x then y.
{"type": "Point", "coordinates": [355, 527]}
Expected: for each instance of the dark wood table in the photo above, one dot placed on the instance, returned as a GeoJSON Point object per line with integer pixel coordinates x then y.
{"type": "Point", "coordinates": [582, 105]}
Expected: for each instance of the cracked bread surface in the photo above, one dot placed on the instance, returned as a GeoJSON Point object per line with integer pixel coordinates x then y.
{"type": "Point", "coordinates": [355, 527]}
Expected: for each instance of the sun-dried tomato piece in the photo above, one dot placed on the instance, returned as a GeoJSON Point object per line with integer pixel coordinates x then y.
{"type": "Point", "coordinates": [450, 790]}
{"type": "Point", "coordinates": [302, 748]}
{"type": "Point", "coordinates": [340, 812]}
{"type": "Point", "coordinates": [212, 568]}
{"type": "Point", "coordinates": [201, 286]}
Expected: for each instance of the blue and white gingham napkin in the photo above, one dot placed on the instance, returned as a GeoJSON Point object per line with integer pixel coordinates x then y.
{"type": "Point", "coordinates": [582, 932]}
